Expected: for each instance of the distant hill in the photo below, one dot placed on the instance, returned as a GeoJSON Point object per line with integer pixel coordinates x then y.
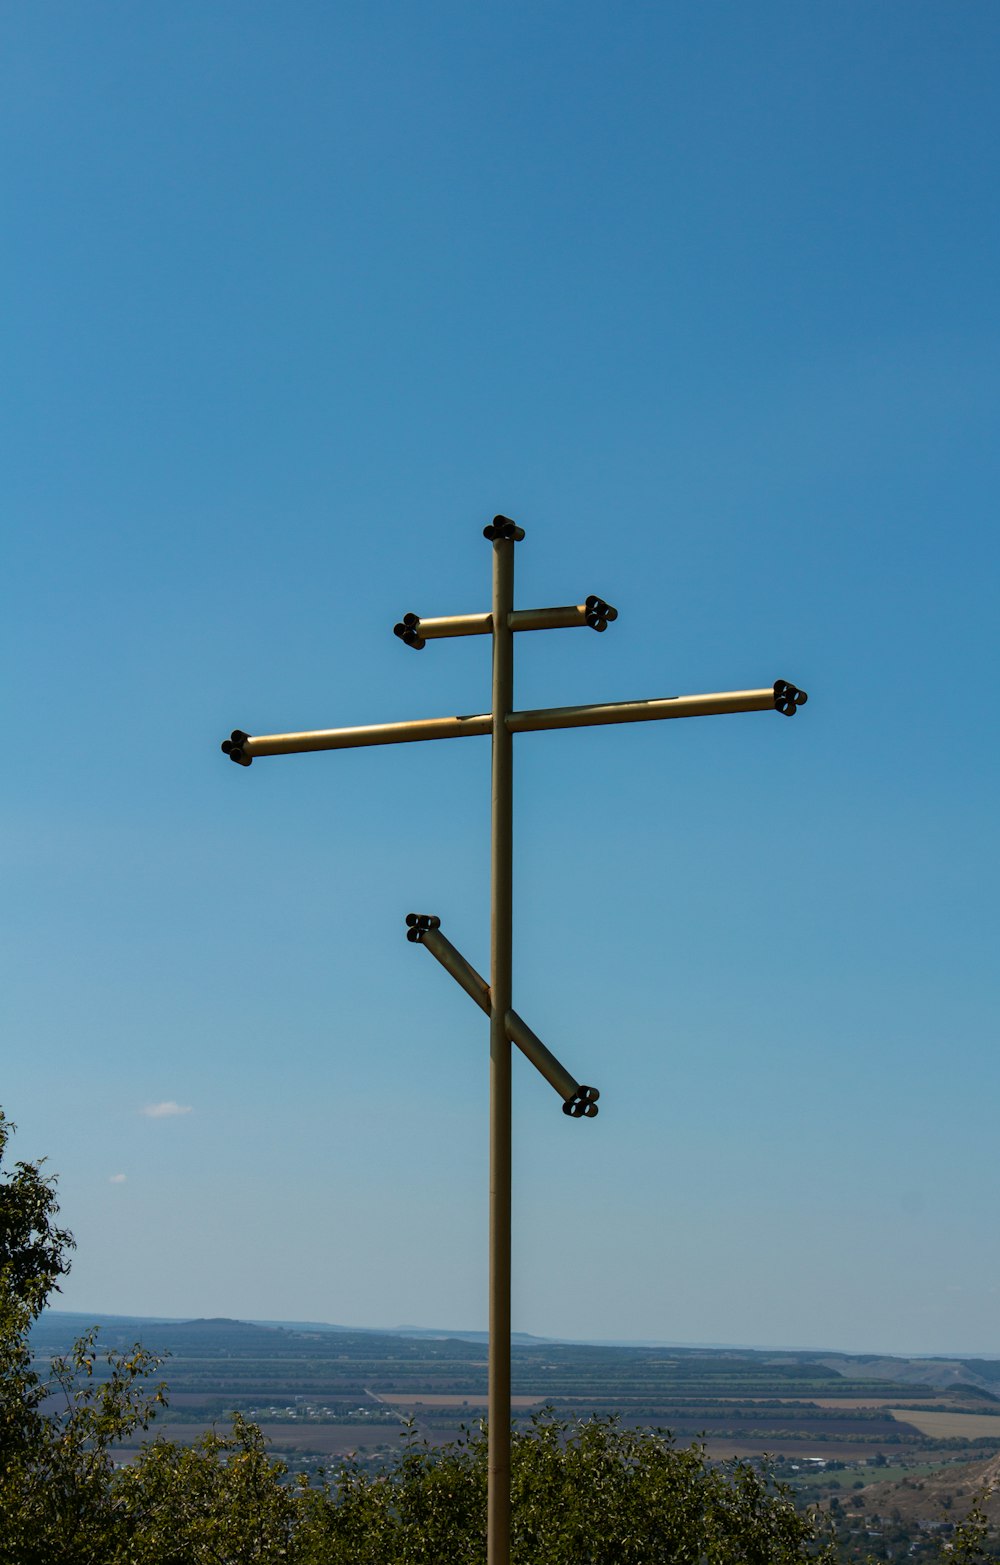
{"type": "Point", "coordinates": [75, 1322]}
{"type": "Point", "coordinates": [430, 1333]}
{"type": "Point", "coordinates": [941, 1373]}
{"type": "Point", "coordinates": [214, 1337]}
{"type": "Point", "coordinates": [217, 1320]}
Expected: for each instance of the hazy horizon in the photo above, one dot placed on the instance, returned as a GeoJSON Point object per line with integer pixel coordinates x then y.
{"type": "Point", "coordinates": [737, 1345]}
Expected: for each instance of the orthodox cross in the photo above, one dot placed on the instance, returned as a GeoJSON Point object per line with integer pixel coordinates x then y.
{"type": "Point", "coordinates": [502, 722]}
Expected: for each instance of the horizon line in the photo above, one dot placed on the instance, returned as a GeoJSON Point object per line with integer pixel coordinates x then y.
{"type": "Point", "coordinates": [465, 1332]}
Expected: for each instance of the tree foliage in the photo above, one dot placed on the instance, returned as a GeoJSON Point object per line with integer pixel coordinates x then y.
{"type": "Point", "coordinates": [58, 1435]}
{"type": "Point", "coordinates": [590, 1493]}
{"type": "Point", "coordinates": [33, 1251]}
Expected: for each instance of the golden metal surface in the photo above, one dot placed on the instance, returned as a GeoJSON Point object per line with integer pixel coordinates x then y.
{"type": "Point", "coordinates": [518, 1031]}
{"type": "Point", "coordinates": [541, 1058]}
{"type": "Point", "coordinates": [462, 971]}
{"type": "Point", "coordinates": [374, 733]}
{"type": "Point", "coordinates": [566, 618]}
{"type": "Point", "coordinates": [480, 723]}
{"type": "Point", "coordinates": [642, 711]}
{"type": "Point", "coordinates": [501, 939]}
{"type": "Point", "coordinates": [454, 625]}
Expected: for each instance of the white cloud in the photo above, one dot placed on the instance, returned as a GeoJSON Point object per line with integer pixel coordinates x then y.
{"type": "Point", "coordinates": [117, 1179]}
{"type": "Point", "coordinates": [164, 1110]}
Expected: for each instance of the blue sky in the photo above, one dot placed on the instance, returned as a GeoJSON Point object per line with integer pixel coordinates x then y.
{"type": "Point", "coordinates": [298, 296]}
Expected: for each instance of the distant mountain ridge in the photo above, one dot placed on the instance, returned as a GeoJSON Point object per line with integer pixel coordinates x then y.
{"type": "Point", "coordinates": [942, 1368]}
{"type": "Point", "coordinates": [430, 1333]}
{"type": "Point", "coordinates": [81, 1322]}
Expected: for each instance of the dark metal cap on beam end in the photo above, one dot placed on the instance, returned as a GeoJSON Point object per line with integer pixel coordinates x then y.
{"type": "Point", "coordinates": [408, 631]}
{"type": "Point", "coordinates": [583, 1103]}
{"type": "Point", "coordinates": [788, 698]}
{"type": "Point", "coordinates": [599, 614]}
{"type": "Point", "coordinates": [233, 747]}
{"type": "Point", "coordinates": [502, 527]}
{"type": "Point", "coordinates": [420, 924]}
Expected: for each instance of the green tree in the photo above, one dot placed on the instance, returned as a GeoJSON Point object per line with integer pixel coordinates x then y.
{"type": "Point", "coordinates": [971, 1539]}
{"type": "Point", "coordinates": [222, 1501]}
{"type": "Point", "coordinates": [33, 1250]}
{"type": "Point", "coordinates": [57, 1436]}
{"type": "Point", "coordinates": [590, 1493]}
{"type": "Point", "coordinates": [33, 1254]}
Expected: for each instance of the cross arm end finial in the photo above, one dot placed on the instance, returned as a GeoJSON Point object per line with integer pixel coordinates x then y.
{"type": "Point", "coordinates": [408, 631]}
{"type": "Point", "coordinates": [501, 528]}
{"type": "Point", "coordinates": [233, 747]}
{"type": "Point", "coordinates": [788, 698]}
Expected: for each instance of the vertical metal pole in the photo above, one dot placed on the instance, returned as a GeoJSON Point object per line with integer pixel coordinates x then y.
{"type": "Point", "coordinates": [501, 865]}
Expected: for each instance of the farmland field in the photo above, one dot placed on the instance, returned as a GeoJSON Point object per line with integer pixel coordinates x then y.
{"type": "Point", "coordinates": [950, 1426]}
{"type": "Point", "coordinates": [325, 1391]}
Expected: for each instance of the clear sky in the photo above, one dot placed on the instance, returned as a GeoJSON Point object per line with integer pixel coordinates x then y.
{"type": "Point", "coordinates": [296, 297]}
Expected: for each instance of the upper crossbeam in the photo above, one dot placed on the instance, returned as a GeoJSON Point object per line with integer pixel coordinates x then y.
{"type": "Point", "coordinates": [781, 696]}
{"type": "Point", "coordinates": [594, 613]}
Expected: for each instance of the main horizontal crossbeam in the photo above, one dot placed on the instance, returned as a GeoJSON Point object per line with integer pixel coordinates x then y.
{"type": "Point", "coordinates": [781, 696]}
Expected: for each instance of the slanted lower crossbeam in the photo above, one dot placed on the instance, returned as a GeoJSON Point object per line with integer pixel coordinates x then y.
{"type": "Point", "coordinates": [578, 1101]}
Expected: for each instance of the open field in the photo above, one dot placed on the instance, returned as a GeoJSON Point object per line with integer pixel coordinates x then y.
{"type": "Point", "coordinates": [951, 1426]}
{"type": "Point", "coordinates": [872, 1401]}
{"type": "Point", "coordinates": [826, 1479]}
